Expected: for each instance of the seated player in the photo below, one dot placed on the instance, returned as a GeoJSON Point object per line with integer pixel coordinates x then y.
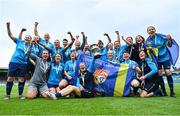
{"type": "Point", "coordinates": [84, 87]}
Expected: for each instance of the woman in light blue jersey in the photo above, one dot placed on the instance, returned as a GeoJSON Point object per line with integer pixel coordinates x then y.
{"type": "Point", "coordinates": [136, 71]}
{"type": "Point", "coordinates": [108, 47]}
{"type": "Point", "coordinates": [60, 50]}
{"type": "Point", "coordinates": [18, 66]}
{"type": "Point", "coordinates": [110, 57]}
{"type": "Point", "coordinates": [45, 41]}
{"type": "Point", "coordinates": [67, 53]}
{"type": "Point", "coordinates": [56, 74]}
{"type": "Point", "coordinates": [117, 47]}
{"type": "Point", "coordinates": [69, 72]}
{"type": "Point", "coordinates": [157, 44]}
{"type": "Point", "coordinates": [100, 44]}
{"type": "Point", "coordinates": [36, 48]}
{"type": "Point", "coordinates": [78, 46]}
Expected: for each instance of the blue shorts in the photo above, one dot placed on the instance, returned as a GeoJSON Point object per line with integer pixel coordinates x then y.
{"type": "Point", "coordinates": [70, 82]}
{"type": "Point", "coordinates": [31, 67]}
{"type": "Point", "coordinates": [165, 65]}
{"type": "Point", "coordinates": [52, 86]}
{"type": "Point", "coordinates": [17, 70]}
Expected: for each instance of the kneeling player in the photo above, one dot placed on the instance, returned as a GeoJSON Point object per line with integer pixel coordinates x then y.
{"type": "Point", "coordinates": [149, 78]}
{"type": "Point", "coordinates": [38, 82]}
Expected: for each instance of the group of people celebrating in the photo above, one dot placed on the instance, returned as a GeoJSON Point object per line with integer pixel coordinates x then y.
{"type": "Point", "coordinates": [53, 67]}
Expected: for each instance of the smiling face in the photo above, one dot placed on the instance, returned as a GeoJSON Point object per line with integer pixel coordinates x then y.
{"type": "Point", "coordinates": [139, 39]}
{"type": "Point", "coordinates": [129, 39]}
{"type": "Point", "coordinates": [65, 42]}
{"type": "Point", "coordinates": [56, 43]}
{"type": "Point", "coordinates": [86, 47]}
{"type": "Point", "coordinates": [110, 46]}
{"type": "Point", "coordinates": [36, 39]}
{"type": "Point", "coordinates": [46, 36]}
{"type": "Point", "coordinates": [58, 58]}
{"type": "Point", "coordinates": [142, 55]}
{"type": "Point", "coordinates": [45, 55]}
{"type": "Point", "coordinates": [73, 55]}
{"type": "Point", "coordinates": [116, 44]}
{"type": "Point", "coordinates": [110, 55]}
{"type": "Point", "coordinates": [151, 31]}
{"type": "Point", "coordinates": [126, 56]}
{"type": "Point", "coordinates": [100, 44]}
{"type": "Point", "coordinates": [27, 39]}
{"type": "Point", "coordinates": [82, 67]}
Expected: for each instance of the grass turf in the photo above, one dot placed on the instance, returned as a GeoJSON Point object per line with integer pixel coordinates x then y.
{"type": "Point", "coordinates": [92, 106]}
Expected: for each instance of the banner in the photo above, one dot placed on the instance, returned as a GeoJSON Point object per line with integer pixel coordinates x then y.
{"type": "Point", "coordinates": [174, 52]}
{"type": "Point", "coordinates": [110, 79]}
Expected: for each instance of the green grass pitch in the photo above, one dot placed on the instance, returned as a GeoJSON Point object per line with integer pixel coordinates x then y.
{"type": "Point", "coordinates": [92, 106]}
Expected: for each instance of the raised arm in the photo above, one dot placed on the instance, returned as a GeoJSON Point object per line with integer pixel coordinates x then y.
{"type": "Point", "coordinates": [72, 41]}
{"type": "Point", "coordinates": [47, 48]}
{"type": "Point", "coordinates": [9, 31]}
{"type": "Point", "coordinates": [118, 37]}
{"type": "Point", "coordinates": [70, 35]}
{"type": "Point", "coordinates": [109, 39]}
{"type": "Point", "coordinates": [35, 29]}
{"type": "Point", "coordinates": [91, 66]}
{"type": "Point", "coordinates": [30, 55]}
{"type": "Point", "coordinates": [20, 34]}
{"type": "Point", "coordinates": [84, 40]}
{"type": "Point", "coordinates": [128, 43]}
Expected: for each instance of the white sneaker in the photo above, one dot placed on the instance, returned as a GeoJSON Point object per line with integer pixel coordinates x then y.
{"type": "Point", "coordinates": [21, 97]}
{"type": "Point", "coordinates": [7, 97]}
{"type": "Point", "coordinates": [52, 95]}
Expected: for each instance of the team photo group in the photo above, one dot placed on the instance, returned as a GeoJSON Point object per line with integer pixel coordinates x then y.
{"type": "Point", "coordinates": [57, 71]}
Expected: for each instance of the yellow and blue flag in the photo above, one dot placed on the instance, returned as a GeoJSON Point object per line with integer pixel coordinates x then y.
{"type": "Point", "coordinates": [109, 79]}
{"type": "Point", "coordinates": [174, 52]}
